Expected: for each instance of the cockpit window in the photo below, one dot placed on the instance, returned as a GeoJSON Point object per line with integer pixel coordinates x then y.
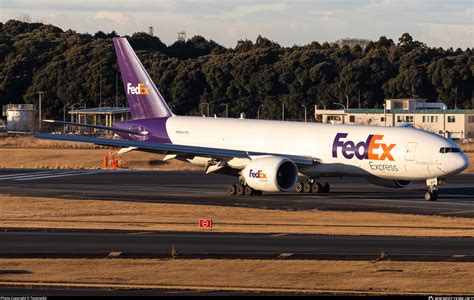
{"type": "Point", "coordinates": [449, 150]}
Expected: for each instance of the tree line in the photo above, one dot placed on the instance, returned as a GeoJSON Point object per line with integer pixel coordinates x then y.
{"type": "Point", "coordinates": [75, 68]}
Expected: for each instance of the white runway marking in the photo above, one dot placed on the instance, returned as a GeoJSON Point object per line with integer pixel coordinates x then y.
{"type": "Point", "coordinates": [47, 174]}
{"type": "Point", "coordinates": [63, 174]}
{"type": "Point", "coordinates": [457, 212]}
{"type": "Point", "coordinates": [19, 175]}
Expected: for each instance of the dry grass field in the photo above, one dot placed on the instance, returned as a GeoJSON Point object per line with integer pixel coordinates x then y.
{"type": "Point", "coordinates": [83, 159]}
{"type": "Point", "coordinates": [29, 142]}
{"type": "Point", "coordinates": [365, 277]}
{"type": "Point", "coordinates": [31, 153]}
{"type": "Point", "coordinates": [24, 212]}
{"type": "Point", "coordinates": [468, 147]}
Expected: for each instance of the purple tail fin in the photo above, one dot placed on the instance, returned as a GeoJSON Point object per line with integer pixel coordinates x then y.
{"type": "Point", "coordinates": [144, 99]}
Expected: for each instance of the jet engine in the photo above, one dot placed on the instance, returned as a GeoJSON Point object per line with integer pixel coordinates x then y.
{"type": "Point", "coordinates": [271, 174]}
{"type": "Point", "coordinates": [389, 183]}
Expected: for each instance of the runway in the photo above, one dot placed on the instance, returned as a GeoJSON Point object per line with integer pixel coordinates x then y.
{"type": "Point", "coordinates": [349, 194]}
{"type": "Point", "coordinates": [46, 291]}
{"type": "Point", "coordinates": [130, 244]}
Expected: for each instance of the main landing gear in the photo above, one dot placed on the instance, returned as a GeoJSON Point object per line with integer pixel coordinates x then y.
{"type": "Point", "coordinates": [242, 190]}
{"type": "Point", "coordinates": [432, 193]}
{"type": "Point", "coordinates": [312, 186]}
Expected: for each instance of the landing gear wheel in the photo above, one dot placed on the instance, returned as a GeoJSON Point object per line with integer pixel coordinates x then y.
{"type": "Point", "coordinates": [232, 189]}
{"type": "Point", "coordinates": [325, 187]}
{"type": "Point", "coordinates": [431, 196]}
{"type": "Point", "coordinates": [432, 184]}
{"type": "Point", "coordinates": [239, 190]}
{"type": "Point", "coordinates": [316, 187]}
{"type": "Point", "coordinates": [307, 187]}
{"type": "Point", "coordinates": [299, 187]}
{"type": "Point", "coordinates": [248, 191]}
{"type": "Point", "coordinates": [258, 193]}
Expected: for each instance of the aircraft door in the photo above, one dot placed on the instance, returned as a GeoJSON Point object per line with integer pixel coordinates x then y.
{"type": "Point", "coordinates": [410, 153]}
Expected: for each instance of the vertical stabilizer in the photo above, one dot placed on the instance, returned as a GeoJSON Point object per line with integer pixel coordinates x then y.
{"type": "Point", "coordinates": [144, 99]}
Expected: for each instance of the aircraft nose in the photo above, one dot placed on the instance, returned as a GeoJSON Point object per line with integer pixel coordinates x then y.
{"type": "Point", "coordinates": [465, 162]}
{"type": "Point", "coordinates": [461, 163]}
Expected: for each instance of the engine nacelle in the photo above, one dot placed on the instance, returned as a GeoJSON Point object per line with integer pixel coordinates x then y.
{"type": "Point", "coordinates": [389, 183]}
{"type": "Point", "coordinates": [271, 174]}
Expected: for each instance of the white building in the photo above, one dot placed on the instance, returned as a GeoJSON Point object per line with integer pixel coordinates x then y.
{"type": "Point", "coordinates": [20, 117]}
{"type": "Point", "coordinates": [435, 117]}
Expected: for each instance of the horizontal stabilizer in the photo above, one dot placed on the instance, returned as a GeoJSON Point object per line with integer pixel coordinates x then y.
{"type": "Point", "coordinates": [97, 127]}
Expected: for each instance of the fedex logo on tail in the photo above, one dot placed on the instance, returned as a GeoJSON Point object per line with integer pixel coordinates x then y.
{"type": "Point", "coordinates": [140, 89]}
{"type": "Point", "coordinates": [363, 149]}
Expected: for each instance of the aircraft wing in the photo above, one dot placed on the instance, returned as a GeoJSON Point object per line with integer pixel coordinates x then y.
{"type": "Point", "coordinates": [184, 149]}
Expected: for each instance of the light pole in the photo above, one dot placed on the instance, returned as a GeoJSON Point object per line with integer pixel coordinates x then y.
{"type": "Point", "coordinates": [258, 110]}
{"type": "Point", "coordinates": [347, 102]}
{"type": "Point", "coordinates": [385, 114]}
{"type": "Point", "coordinates": [40, 93]}
{"type": "Point", "coordinates": [201, 105]}
{"type": "Point", "coordinates": [282, 111]}
{"type": "Point", "coordinates": [304, 106]}
{"type": "Point", "coordinates": [64, 117]}
{"type": "Point", "coordinates": [80, 103]}
{"type": "Point", "coordinates": [226, 109]}
{"type": "Point", "coordinates": [100, 85]}
{"type": "Point", "coordinates": [64, 114]}
{"type": "Point", "coordinates": [336, 103]}
{"type": "Point", "coordinates": [73, 107]}
{"type": "Point", "coordinates": [116, 89]}
{"type": "Point", "coordinates": [456, 98]}
{"type": "Point", "coordinates": [359, 98]}
{"type": "Point", "coordinates": [208, 104]}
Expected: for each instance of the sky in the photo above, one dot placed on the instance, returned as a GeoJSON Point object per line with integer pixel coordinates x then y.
{"type": "Point", "coordinates": [447, 23]}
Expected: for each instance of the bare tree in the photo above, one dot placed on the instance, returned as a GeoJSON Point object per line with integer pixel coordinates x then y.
{"type": "Point", "coordinates": [351, 42]}
{"type": "Point", "coordinates": [24, 18]}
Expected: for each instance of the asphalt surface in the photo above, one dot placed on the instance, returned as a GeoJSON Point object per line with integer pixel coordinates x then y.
{"type": "Point", "coordinates": [456, 198]}
{"type": "Point", "coordinates": [349, 194]}
{"type": "Point", "coordinates": [95, 292]}
{"type": "Point", "coordinates": [99, 244]}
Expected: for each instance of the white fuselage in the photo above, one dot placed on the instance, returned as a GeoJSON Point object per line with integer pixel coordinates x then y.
{"type": "Point", "coordinates": [398, 153]}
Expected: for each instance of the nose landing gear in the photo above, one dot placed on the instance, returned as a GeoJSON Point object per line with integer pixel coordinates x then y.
{"type": "Point", "coordinates": [432, 193]}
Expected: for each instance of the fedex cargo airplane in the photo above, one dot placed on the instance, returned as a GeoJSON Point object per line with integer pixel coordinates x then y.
{"type": "Point", "coordinates": [272, 156]}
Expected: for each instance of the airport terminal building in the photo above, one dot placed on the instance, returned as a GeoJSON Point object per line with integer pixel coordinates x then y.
{"type": "Point", "coordinates": [435, 117]}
